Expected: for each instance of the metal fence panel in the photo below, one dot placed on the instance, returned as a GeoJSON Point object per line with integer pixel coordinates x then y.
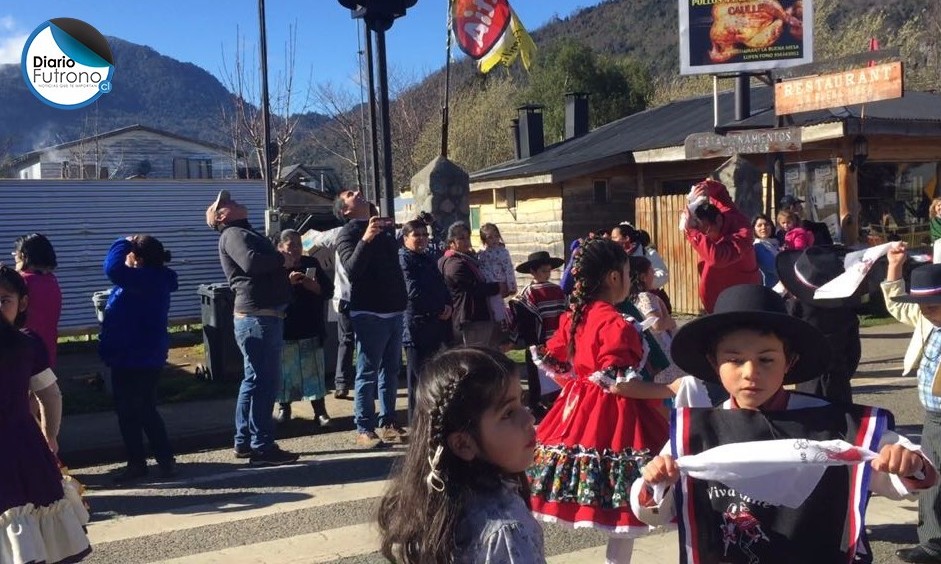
{"type": "Point", "coordinates": [83, 218]}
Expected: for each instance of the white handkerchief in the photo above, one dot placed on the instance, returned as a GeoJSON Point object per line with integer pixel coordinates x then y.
{"type": "Point", "coordinates": [857, 265]}
{"type": "Point", "coordinates": [782, 472]}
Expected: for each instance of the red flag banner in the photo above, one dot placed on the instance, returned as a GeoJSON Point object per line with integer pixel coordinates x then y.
{"type": "Point", "coordinates": [490, 33]}
{"type": "Point", "coordinates": [479, 24]}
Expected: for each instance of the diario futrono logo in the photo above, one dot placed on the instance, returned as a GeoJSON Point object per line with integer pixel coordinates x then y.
{"type": "Point", "coordinates": [67, 63]}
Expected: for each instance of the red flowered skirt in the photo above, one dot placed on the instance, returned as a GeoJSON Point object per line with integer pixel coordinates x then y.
{"type": "Point", "coordinates": [591, 446]}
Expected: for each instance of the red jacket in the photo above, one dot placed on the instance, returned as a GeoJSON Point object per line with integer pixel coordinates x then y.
{"type": "Point", "coordinates": [731, 259]}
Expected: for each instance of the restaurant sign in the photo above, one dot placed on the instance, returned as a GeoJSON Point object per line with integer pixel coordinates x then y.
{"type": "Point", "coordinates": [754, 141]}
{"type": "Point", "coordinates": [857, 86]}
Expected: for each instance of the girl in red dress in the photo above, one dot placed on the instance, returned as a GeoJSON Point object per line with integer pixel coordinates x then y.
{"type": "Point", "coordinates": [607, 420]}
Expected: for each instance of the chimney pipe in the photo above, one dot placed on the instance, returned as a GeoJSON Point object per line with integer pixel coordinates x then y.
{"type": "Point", "coordinates": [515, 132]}
{"type": "Point", "coordinates": [532, 141]}
{"type": "Point", "coordinates": [576, 114]}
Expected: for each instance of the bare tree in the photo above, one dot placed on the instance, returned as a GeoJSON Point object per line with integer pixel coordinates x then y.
{"type": "Point", "coordinates": [89, 159]}
{"type": "Point", "coordinates": [342, 136]}
{"type": "Point", "coordinates": [416, 106]}
{"type": "Point", "coordinates": [244, 119]}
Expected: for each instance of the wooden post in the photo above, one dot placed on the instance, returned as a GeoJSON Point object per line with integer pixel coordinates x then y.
{"type": "Point", "coordinates": [849, 202]}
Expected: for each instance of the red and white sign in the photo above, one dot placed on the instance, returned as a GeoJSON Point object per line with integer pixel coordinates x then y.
{"type": "Point", "coordinates": [479, 24]}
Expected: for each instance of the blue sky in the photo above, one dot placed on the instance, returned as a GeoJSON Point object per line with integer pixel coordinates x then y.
{"type": "Point", "coordinates": [200, 31]}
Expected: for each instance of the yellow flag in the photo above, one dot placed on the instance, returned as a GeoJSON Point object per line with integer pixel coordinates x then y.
{"type": "Point", "coordinates": [490, 32]}
{"type": "Point", "coordinates": [515, 42]}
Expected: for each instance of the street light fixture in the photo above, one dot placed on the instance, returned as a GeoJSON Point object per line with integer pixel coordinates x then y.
{"type": "Point", "coordinates": [860, 152]}
{"type": "Point", "coordinates": [379, 16]}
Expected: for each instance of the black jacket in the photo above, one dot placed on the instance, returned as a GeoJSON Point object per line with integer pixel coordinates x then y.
{"type": "Point", "coordinates": [376, 281]}
{"type": "Point", "coordinates": [428, 295]}
{"type": "Point", "coordinates": [254, 268]}
{"type": "Point", "coordinates": [305, 314]}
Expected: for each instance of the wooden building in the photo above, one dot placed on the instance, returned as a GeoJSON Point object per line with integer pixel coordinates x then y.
{"type": "Point", "coordinates": [864, 170]}
{"type": "Point", "coordinates": [136, 152]}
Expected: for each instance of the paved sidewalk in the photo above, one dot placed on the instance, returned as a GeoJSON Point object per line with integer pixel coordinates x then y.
{"type": "Point", "coordinates": [94, 438]}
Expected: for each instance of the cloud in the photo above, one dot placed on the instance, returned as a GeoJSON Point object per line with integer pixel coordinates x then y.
{"type": "Point", "coordinates": [12, 40]}
{"type": "Point", "coordinates": [11, 48]}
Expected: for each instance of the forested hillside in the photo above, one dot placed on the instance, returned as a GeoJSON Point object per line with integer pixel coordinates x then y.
{"type": "Point", "coordinates": [623, 52]}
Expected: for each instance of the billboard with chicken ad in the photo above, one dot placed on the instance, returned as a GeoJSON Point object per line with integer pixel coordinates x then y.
{"type": "Point", "coordinates": [730, 36]}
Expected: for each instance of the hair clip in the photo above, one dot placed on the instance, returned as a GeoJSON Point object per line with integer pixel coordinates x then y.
{"type": "Point", "coordinates": [434, 479]}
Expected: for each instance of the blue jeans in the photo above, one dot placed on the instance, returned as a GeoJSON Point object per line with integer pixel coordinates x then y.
{"type": "Point", "coordinates": [377, 363]}
{"type": "Point", "coordinates": [259, 338]}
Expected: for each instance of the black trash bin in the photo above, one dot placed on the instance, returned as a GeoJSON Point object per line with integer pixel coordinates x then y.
{"type": "Point", "coordinates": [223, 357]}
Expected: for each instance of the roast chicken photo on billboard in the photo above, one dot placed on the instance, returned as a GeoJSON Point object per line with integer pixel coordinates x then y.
{"type": "Point", "coordinates": [719, 36]}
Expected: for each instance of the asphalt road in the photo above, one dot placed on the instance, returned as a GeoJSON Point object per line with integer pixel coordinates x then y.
{"type": "Point", "coordinates": [202, 513]}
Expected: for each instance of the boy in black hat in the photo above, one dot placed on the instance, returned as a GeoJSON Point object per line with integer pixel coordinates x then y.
{"type": "Point", "coordinates": [802, 273]}
{"type": "Point", "coordinates": [754, 347]}
{"type": "Point", "coordinates": [920, 307]}
{"type": "Point", "coordinates": [537, 309]}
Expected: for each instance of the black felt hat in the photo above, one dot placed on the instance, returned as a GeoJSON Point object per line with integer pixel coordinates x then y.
{"type": "Point", "coordinates": [749, 305]}
{"type": "Point", "coordinates": [537, 259]}
{"type": "Point", "coordinates": [802, 272]}
{"type": "Point", "coordinates": [925, 286]}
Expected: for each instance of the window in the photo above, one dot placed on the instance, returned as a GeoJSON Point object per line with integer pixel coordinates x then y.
{"type": "Point", "coordinates": [475, 219]}
{"type": "Point", "coordinates": [192, 168]}
{"type": "Point", "coordinates": [601, 191]}
{"type": "Point", "coordinates": [897, 197]}
{"type": "Point", "coordinates": [504, 198]}
{"type": "Point", "coordinates": [77, 171]}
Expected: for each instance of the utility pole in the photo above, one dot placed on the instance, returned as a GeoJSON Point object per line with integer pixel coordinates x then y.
{"type": "Point", "coordinates": [272, 215]}
{"type": "Point", "coordinates": [379, 16]}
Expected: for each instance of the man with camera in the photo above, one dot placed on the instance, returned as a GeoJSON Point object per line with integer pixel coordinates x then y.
{"type": "Point", "coordinates": [368, 250]}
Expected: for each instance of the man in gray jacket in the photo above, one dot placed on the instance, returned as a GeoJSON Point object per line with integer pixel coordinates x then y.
{"type": "Point", "coordinates": [257, 275]}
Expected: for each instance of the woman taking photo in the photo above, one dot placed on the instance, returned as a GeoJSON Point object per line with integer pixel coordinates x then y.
{"type": "Point", "coordinates": [302, 365]}
{"type": "Point", "coordinates": [134, 343]}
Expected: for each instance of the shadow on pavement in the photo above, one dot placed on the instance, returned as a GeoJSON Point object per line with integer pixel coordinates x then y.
{"type": "Point", "coordinates": [906, 335]}
{"type": "Point", "coordinates": [898, 534]}
{"type": "Point", "coordinates": [878, 389]}
{"type": "Point", "coordinates": [893, 360]}
{"type": "Point", "coordinates": [884, 373]}
{"type": "Point", "coordinates": [105, 507]}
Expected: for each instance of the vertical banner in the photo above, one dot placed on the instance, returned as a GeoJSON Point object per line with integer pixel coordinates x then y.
{"type": "Point", "coordinates": [728, 36]}
{"type": "Point", "coordinates": [490, 32]}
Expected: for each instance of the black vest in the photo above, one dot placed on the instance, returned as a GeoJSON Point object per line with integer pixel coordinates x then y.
{"type": "Point", "coordinates": [719, 525]}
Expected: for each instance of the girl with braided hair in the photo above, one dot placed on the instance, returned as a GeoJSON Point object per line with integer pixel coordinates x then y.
{"type": "Point", "coordinates": [608, 419]}
{"type": "Point", "coordinates": [460, 493]}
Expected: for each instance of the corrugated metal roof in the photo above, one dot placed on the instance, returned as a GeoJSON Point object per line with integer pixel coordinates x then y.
{"type": "Point", "coordinates": [82, 219]}
{"type": "Point", "coordinates": [669, 125]}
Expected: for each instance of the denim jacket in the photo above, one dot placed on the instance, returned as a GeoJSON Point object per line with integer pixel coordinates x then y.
{"type": "Point", "coordinates": [497, 528]}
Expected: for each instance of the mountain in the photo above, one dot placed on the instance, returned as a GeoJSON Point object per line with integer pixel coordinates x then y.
{"type": "Point", "coordinates": [155, 90]}
{"type": "Point", "coordinates": [150, 89]}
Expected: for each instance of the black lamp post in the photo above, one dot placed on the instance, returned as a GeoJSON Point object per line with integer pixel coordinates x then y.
{"type": "Point", "coordinates": [860, 152]}
{"type": "Point", "coordinates": [379, 16]}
